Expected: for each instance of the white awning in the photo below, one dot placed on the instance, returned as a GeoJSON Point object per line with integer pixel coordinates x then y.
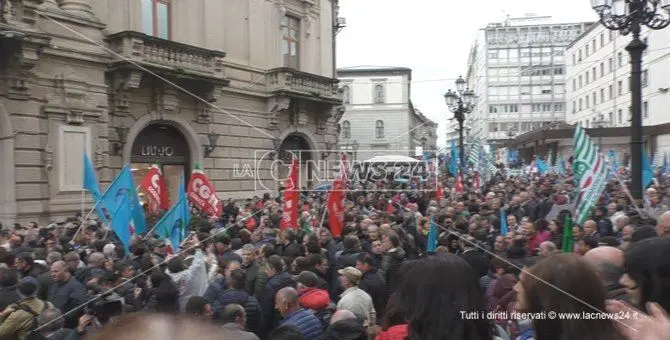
{"type": "Point", "coordinates": [392, 159]}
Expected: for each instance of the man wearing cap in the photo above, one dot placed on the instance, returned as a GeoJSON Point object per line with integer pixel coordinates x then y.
{"type": "Point", "coordinates": [355, 299]}
{"type": "Point", "coordinates": [16, 321]}
{"type": "Point", "coordinates": [311, 297]}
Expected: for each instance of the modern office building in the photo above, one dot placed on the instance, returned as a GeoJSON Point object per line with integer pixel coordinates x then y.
{"type": "Point", "coordinates": [517, 70]}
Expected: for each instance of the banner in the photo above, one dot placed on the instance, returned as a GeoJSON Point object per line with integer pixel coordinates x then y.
{"type": "Point", "coordinates": [335, 201]}
{"type": "Point", "coordinates": [153, 185]}
{"type": "Point", "coordinates": [289, 217]}
{"type": "Point", "coordinates": [203, 194]}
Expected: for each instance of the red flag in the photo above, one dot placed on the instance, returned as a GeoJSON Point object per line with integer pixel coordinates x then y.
{"type": "Point", "coordinates": [440, 193]}
{"type": "Point", "coordinates": [289, 218]}
{"type": "Point", "coordinates": [202, 193]}
{"type": "Point", "coordinates": [335, 198]}
{"type": "Point", "coordinates": [458, 188]}
{"type": "Point", "coordinates": [153, 185]}
{"type": "Point", "coordinates": [389, 207]}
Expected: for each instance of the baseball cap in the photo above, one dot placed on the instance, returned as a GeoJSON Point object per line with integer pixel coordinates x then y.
{"type": "Point", "coordinates": [306, 278]}
{"type": "Point", "coordinates": [352, 274]}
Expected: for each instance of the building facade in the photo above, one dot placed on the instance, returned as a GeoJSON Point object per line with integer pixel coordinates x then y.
{"type": "Point", "coordinates": [598, 80]}
{"type": "Point", "coordinates": [228, 85]}
{"type": "Point", "coordinates": [379, 116]}
{"type": "Point", "coordinates": [517, 71]}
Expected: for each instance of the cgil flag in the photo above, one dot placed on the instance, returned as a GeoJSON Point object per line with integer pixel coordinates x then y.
{"type": "Point", "coordinates": [91, 184]}
{"type": "Point", "coordinates": [202, 193]}
{"type": "Point", "coordinates": [289, 218]}
{"type": "Point", "coordinates": [153, 185]}
{"type": "Point", "coordinates": [591, 170]}
{"type": "Point", "coordinates": [336, 199]}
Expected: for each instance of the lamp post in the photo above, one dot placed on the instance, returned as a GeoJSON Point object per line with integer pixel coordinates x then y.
{"type": "Point", "coordinates": [628, 16]}
{"type": "Point", "coordinates": [460, 103]}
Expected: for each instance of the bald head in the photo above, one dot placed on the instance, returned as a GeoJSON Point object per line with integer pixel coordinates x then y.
{"type": "Point", "coordinates": [607, 262]}
{"type": "Point", "coordinates": [342, 314]}
{"type": "Point", "coordinates": [289, 295]}
{"type": "Point", "coordinates": [663, 224]}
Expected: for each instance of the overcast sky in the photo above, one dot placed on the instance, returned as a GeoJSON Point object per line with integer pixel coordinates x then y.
{"type": "Point", "coordinates": [433, 38]}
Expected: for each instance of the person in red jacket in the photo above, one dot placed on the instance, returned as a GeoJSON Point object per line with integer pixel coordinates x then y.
{"type": "Point", "coordinates": [311, 297]}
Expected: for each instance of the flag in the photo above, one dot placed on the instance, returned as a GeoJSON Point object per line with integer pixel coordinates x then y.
{"type": "Point", "coordinates": [458, 187]}
{"type": "Point", "coordinates": [541, 166]}
{"type": "Point", "coordinates": [389, 207]}
{"type": "Point", "coordinates": [568, 243]}
{"type": "Point", "coordinates": [454, 158]}
{"type": "Point", "coordinates": [91, 184]}
{"type": "Point", "coordinates": [647, 172]}
{"type": "Point", "coordinates": [439, 193]}
{"type": "Point", "coordinates": [473, 156]}
{"type": "Point", "coordinates": [431, 245]}
{"type": "Point", "coordinates": [153, 185]}
{"type": "Point", "coordinates": [173, 225]}
{"type": "Point", "coordinates": [335, 202]}
{"type": "Point", "coordinates": [591, 170]}
{"type": "Point", "coordinates": [289, 217]}
{"type": "Point", "coordinates": [203, 194]}
{"type": "Point", "coordinates": [561, 168]}
{"type": "Point", "coordinates": [503, 223]}
{"type": "Point", "coordinates": [123, 185]}
{"type": "Point", "coordinates": [121, 220]}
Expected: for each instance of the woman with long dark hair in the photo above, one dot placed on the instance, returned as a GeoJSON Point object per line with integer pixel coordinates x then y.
{"type": "Point", "coordinates": [163, 295]}
{"type": "Point", "coordinates": [647, 277]}
{"type": "Point", "coordinates": [436, 295]}
{"type": "Point", "coordinates": [564, 283]}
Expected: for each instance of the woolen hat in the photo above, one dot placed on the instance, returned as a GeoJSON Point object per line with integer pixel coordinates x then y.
{"type": "Point", "coordinates": [27, 286]}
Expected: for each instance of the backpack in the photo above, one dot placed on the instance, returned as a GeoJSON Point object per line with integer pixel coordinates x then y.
{"type": "Point", "coordinates": [33, 333]}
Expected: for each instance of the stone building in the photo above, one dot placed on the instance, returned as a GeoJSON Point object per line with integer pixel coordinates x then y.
{"type": "Point", "coordinates": [221, 83]}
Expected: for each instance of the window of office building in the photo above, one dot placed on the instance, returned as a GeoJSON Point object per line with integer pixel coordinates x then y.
{"type": "Point", "coordinates": [645, 78]}
{"type": "Point", "coordinates": [610, 64]}
{"type": "Point", "coordinates": [379, 94]}
{"type": "Point", "coordinates": [593, 70]}
{"type": "Point", "coordinates": [595, 99]}
{"type": "Point", "coordinates": [602, 69]}
{"type": "Point", "coordinates": [291, 41]}
{"type": "Point", "coordinates": [645, 110]}
{"type": "Point", "coordinates": [156, 18]}
{"type": "Point", "coordinates": [602, 40]}
{"type": "Point", "coordinates": [610, 91]}
{"type": "Point", "coordinates": [619, 57]}
{"type": "Point", "coordinates": [602, 95]}
{"type": "Point", "coordinates": [619, 86]}
{"type": "Point", "coordinates": [379, 129]}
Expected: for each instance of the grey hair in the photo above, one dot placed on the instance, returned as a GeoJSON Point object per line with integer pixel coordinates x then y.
{"type": "Point", "coordinates": [54, 256]}
{"type": "Point", "coordinates": [50, 320]}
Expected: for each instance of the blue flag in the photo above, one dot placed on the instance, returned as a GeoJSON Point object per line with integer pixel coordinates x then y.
{"type": "Point", "coordinates": [123, 185]}
{"type": "Point", "coordinates": [541, 166]}
{"type": "Point", "coordinates": [121, 220]}
{"type": "Point", "coordinates": [666, 166]}
{"type": "Point", "coordinates": [647, 173]}
{"type": "Point", "coordinates": [503, 223]}
{"type": "Point", "coordinates": [91, 184]}
{"type": "Point", "coordinates": [175, 222]}
{"type": "Point", "coordinates": [431, 245]}
{"type": "Point", "coordinates": [454, 158]}
{"type": "Point", "coordinates": [561, 168]}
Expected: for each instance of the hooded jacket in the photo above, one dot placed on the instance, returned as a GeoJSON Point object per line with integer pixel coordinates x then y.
{"type": "Point", "coordinates": [348, 329]}
{"type": "Point", "coordinates": [391, 263]}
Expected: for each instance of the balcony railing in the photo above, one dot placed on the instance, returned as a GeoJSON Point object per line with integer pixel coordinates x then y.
{"type": "Point", "coordinates": [166, 54]}
{"type": "Point", "coordinates": [294, 82]}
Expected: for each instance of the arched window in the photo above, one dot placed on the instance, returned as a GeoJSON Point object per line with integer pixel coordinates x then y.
{"type": "Point", "coordinates": [346, 129]}
{"type": "Point", "coordinates": [379, 94]}
{"type": "Point", "coordinates": [346, 94]}
{"type": "Point", "coordinates": [379, 129]}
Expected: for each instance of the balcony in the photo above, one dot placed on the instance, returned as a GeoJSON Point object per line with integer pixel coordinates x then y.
{"type": "Point", "coordinates": [293, 83]}
{"type": "Point", "coordinates": [167, 58]}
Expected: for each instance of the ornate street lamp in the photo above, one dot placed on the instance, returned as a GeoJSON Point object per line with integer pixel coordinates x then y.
{"type": "Point", "coordinates": [460, 103]}
{"type": "Point", "coordinates": [628, 16]}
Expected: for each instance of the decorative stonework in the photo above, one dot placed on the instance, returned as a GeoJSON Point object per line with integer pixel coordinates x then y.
{"type": "Point", "coordinates": [278, 106]}
{"type": "Point", "coordinates": [122, 84]}
{"type": "Point", "coordinates": [166, 100]}
{"type": "Point", "coordinates": [99, 156]}
{"type": "Point", "coordinates": [72, 100]}
{"type": "Point", "coordinates": [48, 157]}
{"type": "Point", "coordinates": [80, 7]}
{"type": "Point", "coordinates": [210, 94]}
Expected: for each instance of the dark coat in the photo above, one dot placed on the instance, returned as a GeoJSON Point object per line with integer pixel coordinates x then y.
{"type": "Point", "coordinates": [242, 298]}
{"type": "Point", "coordinates": [478, 262]}
{"type": "Point", "coordinates": [373, 283]}
{"type": "Point", "coordinates": [391, 263]}
{"type": "Point", "coordinates": [8, 296]}
{"type": "Point", "coordinates": [272, 286]}
{"type": "Point", "coordinates": [308, 324]}
{"type": "Point", "coordinates": [251, 270]}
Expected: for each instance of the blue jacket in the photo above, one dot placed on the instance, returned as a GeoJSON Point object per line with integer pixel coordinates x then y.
{"type": "Point", "coordinates": [216, 288]}
{"type": "Point", "coordinates": [272, 286]}
{"type": "Point", "coordinates": [308, 324]}
{"type": "Point", "coordinates": [242, 298]}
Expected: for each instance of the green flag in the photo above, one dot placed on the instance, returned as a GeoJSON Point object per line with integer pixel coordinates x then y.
{"type": "Point", "coordinates": [568, 243]}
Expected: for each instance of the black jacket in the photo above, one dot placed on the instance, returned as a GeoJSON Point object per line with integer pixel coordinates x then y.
{"type": "Point", "coordinates": [391, 263]}
{"type": "Point", "coordinates": [250, 304]}
{"type": "Point", "coordinates": [478, 262]}
{"type": "Point", "coordinates": [373, 284]}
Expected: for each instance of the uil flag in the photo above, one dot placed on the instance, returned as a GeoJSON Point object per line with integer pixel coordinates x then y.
{"type": "Point", "coordinates": [335, 204]}
{"type": "Point", "coordinates": [153, 185]}
{"type": "Point", "coordinates": [174, 224]}
{"type": "Point", "coordinates": [202, 193]}
{"type": "Point", "coordinates": [458, 187]}
{"type": "Point", "coordinates": [289, 218]}
{"type": "Point", "coordinates": [121, 205]}
{"type": "Point", "coordinates": [91, 184]}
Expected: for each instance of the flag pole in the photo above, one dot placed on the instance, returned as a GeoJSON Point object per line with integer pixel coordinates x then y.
{"type": "Point", "coordinates": [83, 198]}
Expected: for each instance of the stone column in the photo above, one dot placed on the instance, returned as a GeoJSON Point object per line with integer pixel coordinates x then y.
{"type": "Point", "coordinates": [81, 7]}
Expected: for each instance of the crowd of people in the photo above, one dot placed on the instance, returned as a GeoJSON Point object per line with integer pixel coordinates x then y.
{"type": "Point", "coordinates": [239, 276]}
